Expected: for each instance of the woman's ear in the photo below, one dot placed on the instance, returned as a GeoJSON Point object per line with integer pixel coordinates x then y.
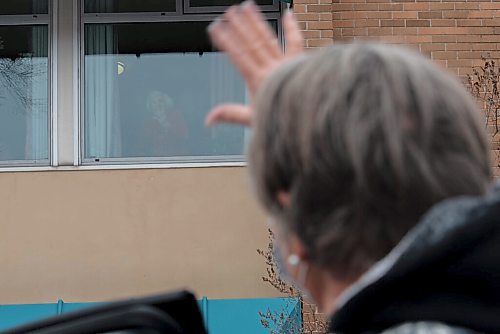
{"type": "Point", "coordinates": [283, 198]}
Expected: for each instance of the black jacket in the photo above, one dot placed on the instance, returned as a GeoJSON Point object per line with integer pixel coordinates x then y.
{"type": "Point", "coordinates": [446, 271]}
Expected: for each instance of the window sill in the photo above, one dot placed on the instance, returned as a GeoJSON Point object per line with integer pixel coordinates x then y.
{"type": "Point", "coordinates": [123, 167]}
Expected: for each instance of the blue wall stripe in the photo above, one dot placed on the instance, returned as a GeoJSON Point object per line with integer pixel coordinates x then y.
{"type": "Point", "coordinates": [221, 316]}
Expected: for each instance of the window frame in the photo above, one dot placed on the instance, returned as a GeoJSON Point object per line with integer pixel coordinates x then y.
{"type": "Point", "coordinates": [81, 6]}
{"type": "Point", "coordinates": [148, 17]}
{"type": "Point", "coordinates": [50, 21]}
{"type": "Point", "coordinates": [275, 7]}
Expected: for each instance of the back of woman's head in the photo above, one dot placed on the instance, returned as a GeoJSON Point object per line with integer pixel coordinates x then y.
{"type": "Point", "coordinates": [365, 138]}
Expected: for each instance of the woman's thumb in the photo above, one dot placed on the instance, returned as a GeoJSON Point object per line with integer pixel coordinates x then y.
{"type": "Point", "coordinates": [230, 113]}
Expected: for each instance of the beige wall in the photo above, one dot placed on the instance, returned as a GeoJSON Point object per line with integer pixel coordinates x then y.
{"type": "Point", "coordinates": [95, 235]}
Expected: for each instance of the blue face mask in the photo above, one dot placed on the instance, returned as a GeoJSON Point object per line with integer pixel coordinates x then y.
{"type": "Point", "coordinates": [280, 264]}
{"type": "Point", "coordinates": [283, 273]}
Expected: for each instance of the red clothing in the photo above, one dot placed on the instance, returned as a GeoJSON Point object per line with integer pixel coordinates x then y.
{"type": "Point", "coordinates": [164, 140]}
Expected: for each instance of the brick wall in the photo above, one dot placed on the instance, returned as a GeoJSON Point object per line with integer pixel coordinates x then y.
{"type": "Point", "coordinates": [454, 33]}
{"type": "Point", "coordinates": [316, 20]}
{"type": "Point", "coordinates": [313, 321]}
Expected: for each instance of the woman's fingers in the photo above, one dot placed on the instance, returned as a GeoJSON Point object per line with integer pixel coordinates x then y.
{"type": "Point", "coordinates": [226, 41]}
{"type": "Point", "coordinates": [262, 30]}
{"type": "Point", "coordinates": [245, 31]}
{"type": "Point", "coordinates": [248, 40]}
{"type": "Point", "coordinates": [244, 35]}
{"type": "Point", "coordinates": [293, 36]}
{"type": "Point", "coordinates": [240, 22]}
{"type": "Point", "coordinates": [230, 113]}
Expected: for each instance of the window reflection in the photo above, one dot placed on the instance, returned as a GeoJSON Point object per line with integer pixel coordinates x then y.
{"type": "Point", "coordinates": [23, 7]}
{"type": "Point", "coordinates": [147, 93]}
{"type": "Point", "coordinates": [124, 6]}
{"type": "Point", "coordinates": [224, 3]}
{"type": "Point", "coordinates": [23, 93]}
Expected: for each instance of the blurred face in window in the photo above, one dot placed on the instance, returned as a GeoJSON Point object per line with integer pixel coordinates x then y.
{"type": "Point", "coordinates": [159, 104]}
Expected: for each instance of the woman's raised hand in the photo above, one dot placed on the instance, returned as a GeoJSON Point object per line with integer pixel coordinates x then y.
{"type": "Point", "coordinates": [246, 38]}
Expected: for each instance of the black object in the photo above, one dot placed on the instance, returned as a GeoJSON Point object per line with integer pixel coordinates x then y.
{"type": "Point", "coordinates": [173, 313]}
{"type": "Point", "coordinates": [447, 273]}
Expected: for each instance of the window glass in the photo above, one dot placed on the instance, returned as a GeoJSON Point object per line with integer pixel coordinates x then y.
{"type": "Point", "coordinates": [23, 93]}
{"type": "Point", "coordinates": [124, 6]}
{"type": "Point", "coordinates": [20, 7]}
{"type": "Point", "coordinates": [224, 3]}
{"type": "Point", "coordinates": [148, 88]}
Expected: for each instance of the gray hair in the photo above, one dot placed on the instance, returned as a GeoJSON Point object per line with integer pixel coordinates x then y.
{"type": "Point", "coordinates": [365, 138]}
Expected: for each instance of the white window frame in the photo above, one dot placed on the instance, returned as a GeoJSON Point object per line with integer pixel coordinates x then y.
{"type": "Point", "coordinates": [218, 9]}
{"type": "Point", "coordinates": [148, 17]}
{"type": "Point", "coordinates": [66, 112]}
{"type": "Point", "coordinates": [31, 20]}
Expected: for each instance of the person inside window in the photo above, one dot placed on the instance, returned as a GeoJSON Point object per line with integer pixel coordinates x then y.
{"type": "Point", "coordinates": [164, 130]}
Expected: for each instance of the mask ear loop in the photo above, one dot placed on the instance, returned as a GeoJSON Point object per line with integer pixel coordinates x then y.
{"type": "Point", "coordinates": [294, 260]}
{"type": "Point", "coordinates": [303, 271]}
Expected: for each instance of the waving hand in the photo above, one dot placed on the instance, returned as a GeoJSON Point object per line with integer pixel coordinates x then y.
{"type": "Point", "coordinates": [247, 39]}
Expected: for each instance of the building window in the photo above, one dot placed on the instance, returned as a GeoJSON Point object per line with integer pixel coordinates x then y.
{"type": "Point", "coordinates": [24, 83]}
{"type": "Point", "coordinates": [150, 76]}
{"type": "Point", "coordinates": [117, 83]}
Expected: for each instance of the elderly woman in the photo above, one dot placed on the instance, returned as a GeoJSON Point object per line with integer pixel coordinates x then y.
{"type": "Point", "coordinates": [373, 166]}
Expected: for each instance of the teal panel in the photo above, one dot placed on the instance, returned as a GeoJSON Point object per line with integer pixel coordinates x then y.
{"type": "Point", "coordinates": [14, 315]}
{"type": "Point", "coordinates": [242, 315]}
{"type": "Point", "coordinates": [221, 316]}
{"type": "Point", "coordinates": [68, 307]}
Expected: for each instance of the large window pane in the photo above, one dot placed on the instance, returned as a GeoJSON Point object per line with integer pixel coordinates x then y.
{"type": "Point", "coordinates": [148, 88]}
{"type": "Point", "coordinates": [124, 6]}
{"type": "Point", "coordinates": [23, 93]}
{"type": "Point", "coordinates": [224, 3]}
{"type": "Point", "coordinates": [20, 7]}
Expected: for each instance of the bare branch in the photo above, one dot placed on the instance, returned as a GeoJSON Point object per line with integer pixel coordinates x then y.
{"type": "Point", "coordinates": [16, 80]}
{"type": "Point", "coordinates": [278, 321]}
